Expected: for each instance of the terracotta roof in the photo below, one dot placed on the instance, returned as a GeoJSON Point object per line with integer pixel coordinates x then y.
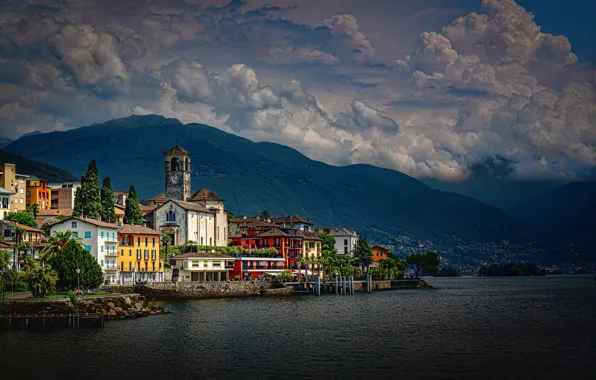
{"type": "Point", "coordinates": [161, 197]}
{"type": "Point", "coordinates": [137, 230]}
{"type": "Point", "coordinates": [247, 223]}
{"type": "Point", "coordinates": [26, 228]}
{"type": "Point", "coordinates": [43, 221]}
{"type": "Point", "coordinates": [119, 192]}
{"type": "Point", "coordinates": [308, 235]}
{"type": "Point", "coordinates": [177, 150]}
{"type": "Point", "coordinates": [192, 206]}
{"type": "Point", "coordinates": [92, 221]}
{"type": "Point", "coordinates": [379, 248]}
{"type": "Point", "coordinates": [273, 232]}
{"type": "Point", "coordinates": [290, 219]}
{"type": "Point", "coordinates": [54, 212]}
{"type": "Point", "coordinates": [205, 195]}
{"type": "Point", "coordinates": [202, 255]}
{"type": "Point", "coordinates": [5, 245]}
{"type": "Point", "coordinates": [147, 208]}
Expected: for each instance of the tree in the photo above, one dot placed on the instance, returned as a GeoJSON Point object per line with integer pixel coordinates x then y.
{"type": "Point", "coordinates": [40, 279]}
{"type": "Point", "coordinates": [72, 257]}
{"type": "Point", "coordinates": [22, 217]}
{"type": "Point", "coordinates": [34, 210]}
{"type": "Point", "coordinates": [265, 214]}
{"type": "Point", "coordinates": [88, 197]}
{"type": "Point", "coordinates": [328, 251]}
{"type": "Point", "coordinates": [166, 241]}
{"type": "Point", "coordinates": [426, 262]}
{"type": "Point", "coordinates": [108, 214]}
{"type": "Point", "coordinates": [363, 253]}
{"type": "Point", "coordinates": [56, 244]}
{"type": "Point", "coordinates": [387, 264]}
{"type": "Point", "coordinates": [132, 212]}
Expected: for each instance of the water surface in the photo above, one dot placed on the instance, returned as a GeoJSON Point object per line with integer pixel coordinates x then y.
{"type": "Point", "coordinates": [469, 328]}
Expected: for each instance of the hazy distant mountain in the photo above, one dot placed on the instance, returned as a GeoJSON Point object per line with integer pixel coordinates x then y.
{"type": "Point", "coordinates": [34, 168]}
{"type": "Point", "coordinates": [34, 133]}
{"type": "Point", "coordinates": [256, 176]}
{"type": "Point", "coordinates": [567, 213]}
{"type": "Point", "coordinates": [4, 142]}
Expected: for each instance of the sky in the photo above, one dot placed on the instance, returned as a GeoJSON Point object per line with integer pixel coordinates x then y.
{"type": "Point", "coordinates": [436, 89]}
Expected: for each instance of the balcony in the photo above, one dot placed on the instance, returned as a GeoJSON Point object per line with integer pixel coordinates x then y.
{"type": "Point", "coordinates": [111, 240]}
{"type": "Point", "coordinates": [111, 254]}
{"type": "Point", "coordinates": [111, 268]}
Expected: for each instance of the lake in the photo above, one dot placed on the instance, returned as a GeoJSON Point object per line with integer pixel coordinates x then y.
{"type": "Point", "coordinates": [468, 328]}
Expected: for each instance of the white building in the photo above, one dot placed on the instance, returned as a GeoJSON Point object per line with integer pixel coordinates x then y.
{"type": "Point", "coordinates": [5, 201]}
{"type": "Point", "coordinates": [200, 218]}
{"type": "Point", "coordinates": [99, 238]}
{"type": "Point", "coordinates": [345, 239]}
{"type": "Point", "coordinates": [184, 221]}
{"type": "Point", "coordinates": [201, 266]}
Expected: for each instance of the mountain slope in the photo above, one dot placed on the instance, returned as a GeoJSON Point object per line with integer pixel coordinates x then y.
{"type": "Point", "coordinates": [255, 176]}
{"type": "Point", "coordinates": [33, 168]}
{"type": "Point", "coordinates": [567, 213]}
{"type": "Point", "coordinates": [4, 142]}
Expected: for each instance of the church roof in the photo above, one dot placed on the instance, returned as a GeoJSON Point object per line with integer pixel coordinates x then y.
{"type": "Point", "coordinates": [205, 195]}
{"type": "Point", "coordinates": [192, 206]}
{"type": "Point", "coordinates": [176, 150]}
{"type": "Point", "coordinates": [160, 197]}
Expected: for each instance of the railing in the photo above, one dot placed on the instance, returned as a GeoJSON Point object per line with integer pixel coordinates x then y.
{"type": "Point", "coordinates": [111, 253]}
{"type": "Point", "coordinates": [111, 239]}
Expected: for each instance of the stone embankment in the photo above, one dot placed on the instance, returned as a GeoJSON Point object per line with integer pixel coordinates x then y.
{"type": "Point", "coordinates": [205, 290]}
{"type": "Point", "coordinates": [112, 307]}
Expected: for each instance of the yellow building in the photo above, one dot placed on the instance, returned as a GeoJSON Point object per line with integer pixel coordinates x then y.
{"type": "Point", "coordinates": [311, 246]}
{"type": "Point", "coordinates": [11, 181]}
{"type": "Point", "coordinates": [139, 255]}
{"type": "Point", "coordinates": [38, 193]}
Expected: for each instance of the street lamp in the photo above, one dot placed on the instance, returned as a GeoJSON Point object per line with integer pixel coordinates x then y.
{"type": "Point", "coordinates": [78, 281]}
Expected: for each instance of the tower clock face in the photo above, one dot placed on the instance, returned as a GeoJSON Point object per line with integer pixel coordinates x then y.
{"type": "Point", "coordinates": [174, 178]}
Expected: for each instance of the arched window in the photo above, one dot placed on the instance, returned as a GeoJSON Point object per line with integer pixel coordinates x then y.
{"type": "Point", "coordinates": [187, 164]}
{"type": "Point", "coordinates": [171, 215]}
{"type": "Point", "coordinates": [174, 165]}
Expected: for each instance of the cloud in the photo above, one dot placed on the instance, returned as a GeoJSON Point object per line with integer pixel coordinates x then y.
{"type": "Point", "coordinates": [488, 94]}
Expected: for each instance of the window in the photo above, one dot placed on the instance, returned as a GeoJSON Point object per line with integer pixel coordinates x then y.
{"type": "Point", "coordinates": [145, 267]}
{"type": "Point", "coordinates": [171, 216]}
{"type": "Point", "coordinates": [138, 254]}
{"type": "Point", "coordinates": [311, 245]}
{"type": "Point", "coordinates": [101, 234]}
{"type": "Point", "coordinates": [122, 266]}
{"type": "Point", "coordinates": [138, 267]}
{"type": "Point", "coordinates": [74, 225]}
{"type": "Point", "coordinates": [153, 254]}
{"type": "Point", "coordinates": [201, 240]}
{"type": "Point", "coordinates": [21, 201]}
{"type": "Point", "coordinates": [153, 265]}
{"type": "Point", "coordinates": [28, 193]}
{"type": "Point", "coordinates": [146, 254]}
{"type": "Point", "coordinates": [218, 232]}
{"type": "Point", "coordinates": [345, 241]}
{"type": "Point", "coordinates": [195, 263]}
{"type": "Point", "coordinates": [160, 265]}
{"type": "Point", "coordinates": [122, 253]}
{"type": "Point", "coordinates": [205, 264]}
{"type": "Point", "coordinates": [75, 234]}
{"type": "Point", "coordinates": [87, 234]}
{"type": "Point", "coordinates": [139, 241]}
{"type": "Point", "coordinates": [102, 263]}
{"type": "Point", "coordinates": [88, 248]}
{"type": "Point", "coordinates": [210, 241]}
{"type": "Point", "coordinates": [21, 190]}
{"type": "Point", "coordinates": [216, 264]}
{"type": "Point", "coordinates": [154, 242]}
{"type": "Point", "coordinates": [102, 248]}
{"type": "Point", "coordinates": [146, 242]}
{"type": "Point", "coordinates": [345, 250]}
{"type": "Point", "coordinates": [129, 266]}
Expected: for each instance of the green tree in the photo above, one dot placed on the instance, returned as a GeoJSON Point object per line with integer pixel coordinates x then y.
{"type": "Point", "coordinates": [72, 257]}
{"type": "Point", "coordinates": [265, 214]}
{"type": "Point", "coordinates": [166, 241]}
{"type": "Point", "coordinates": [88, 197]}
{"type": "Point", "coordinates": [426, 262]}
{"type": "Point", "coordinates": [328, 251]}
{"type": "Point", "coordinates": [132, 212]}
{"type": "Point", "coordinates": [22, 217]}
{"type": "Point", "coordinates": [363, 253]}
{"type": "Point", "coordinates": [387, 265]}
{"type": "Point", "coordinates": [56, 244]}
{"type": "Point", "coordinates": [39, 279]}
{"type": "Point", "coordinates": [34, 210]}
{"type": "Point", "coordinates": [108, 214]}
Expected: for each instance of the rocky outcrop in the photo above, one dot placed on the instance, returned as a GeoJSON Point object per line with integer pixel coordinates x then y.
{"type": "Point", "coordinates": [112, 307]}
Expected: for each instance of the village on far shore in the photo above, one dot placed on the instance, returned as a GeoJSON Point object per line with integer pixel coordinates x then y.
{"type": "Point", "coordinates": [177, 236]}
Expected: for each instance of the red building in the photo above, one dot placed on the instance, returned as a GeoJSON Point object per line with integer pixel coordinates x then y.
{"type": "Point", "coordinates": [284, 240]}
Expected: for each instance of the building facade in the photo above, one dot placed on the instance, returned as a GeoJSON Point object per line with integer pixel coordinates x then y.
{"type": "Point", "coordinates": [38, 193]}
{"type": "Point", "coordinates": [63, 195]}
{"type": "Point", "coordinates": [12, 181]}
{"type": "Point", "coordinates": [5, 198]}
{"type": "Point", "coordinates": [138, 258]}
{"type": "Point", "coordinates": [345, 239]}
{"type": "Point", "coordinates": [295, 222]}
{"type": "Point", "coordinates": [100, 240]}
{"type": "Point", "coordinates": [378, 254]}
{"type": "Point", "coordinates": [177, 170]}
{"type": "Point", "coordinates": [201, 266]}
{"type": "Point", "coordinates": [185, 221]}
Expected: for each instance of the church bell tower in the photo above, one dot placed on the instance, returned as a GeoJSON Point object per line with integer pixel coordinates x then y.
{"type": "Point", "coordinates": [177, 174]}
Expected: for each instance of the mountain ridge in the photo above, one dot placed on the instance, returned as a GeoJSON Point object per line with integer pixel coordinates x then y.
{"type": "Point", "coordinates": [254, 176]}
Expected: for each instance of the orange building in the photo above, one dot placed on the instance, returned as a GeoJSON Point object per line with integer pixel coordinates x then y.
{"type": "Point", "coordinates": [38, 192]}
{"type": "Point", "coordinates": [379, 253]}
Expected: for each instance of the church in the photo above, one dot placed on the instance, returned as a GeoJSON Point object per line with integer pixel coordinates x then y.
{"type": "Point", "coordinates": [184, 217]}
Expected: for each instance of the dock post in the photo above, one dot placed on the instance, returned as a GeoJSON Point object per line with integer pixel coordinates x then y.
{"type": "Point", "coordinates": [352, 279]}
{"type": "Point", "coordinates": [317, 286]}
{"type": "Point", "coordinates": [343, 285]}
{"type": "Point", "coordinates": [336, 285]}
{"type": "Point", "coordinates": [369, 283]}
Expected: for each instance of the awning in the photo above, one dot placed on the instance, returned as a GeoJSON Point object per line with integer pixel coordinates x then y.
{"type": "Point", "coordinates": [307, 272]}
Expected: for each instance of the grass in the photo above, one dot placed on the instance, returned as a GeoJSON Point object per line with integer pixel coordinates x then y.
{"type": "Point", "coordinates": [59, 295]}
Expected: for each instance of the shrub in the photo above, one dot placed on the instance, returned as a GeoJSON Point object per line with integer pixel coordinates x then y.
{"type": "Point", "coordinates": [18, 286]}
{"type": "Point", "coordinates": [73, 298]}
{"type": "Point", "coordinates": [4, 308]}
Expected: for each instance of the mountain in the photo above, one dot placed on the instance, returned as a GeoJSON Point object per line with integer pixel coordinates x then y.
{"type": "Point", "coordinates": [382, 204]}
{"type": "Point", "coordinates": [4, 142]}
{"type": "Point", "coordinates": [34, 168]}
{"type": "Point", "coordinates": [34, 133]}
{"type": "Point", "coordinates": [566, 213]}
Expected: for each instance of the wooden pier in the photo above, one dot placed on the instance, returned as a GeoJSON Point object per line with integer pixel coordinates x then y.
{"type": "Point", "coordinates": [347, 285]}
{"type": "Point", "coordinates": [20, 321]}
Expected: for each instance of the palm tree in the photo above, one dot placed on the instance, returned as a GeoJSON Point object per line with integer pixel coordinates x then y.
{"type": "Point", "coordinates": [34, 209]}
{"type": "Point", "coordinates": [56, 243]}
